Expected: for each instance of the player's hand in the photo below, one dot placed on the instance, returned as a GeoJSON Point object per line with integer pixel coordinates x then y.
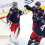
{"type": "Point", "coordinates": [35, 14]}
{"type": "Point", "coordinates": [24, 11]}
{"type": "Point", "coordinates": [8, 23]}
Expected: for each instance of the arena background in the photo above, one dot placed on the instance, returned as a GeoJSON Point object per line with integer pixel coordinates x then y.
{"type": "Point", "coordinates": [25, 21]}
{"type": "Point", "coordinates": [5, 5]}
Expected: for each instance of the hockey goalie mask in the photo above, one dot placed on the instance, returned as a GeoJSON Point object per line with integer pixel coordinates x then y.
{"type": "Point", "coordinates": [14, 4]}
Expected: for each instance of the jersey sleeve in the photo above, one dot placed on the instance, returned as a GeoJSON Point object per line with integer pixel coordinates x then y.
{"type": "Point", "coordinates": [35, 19]}
{"type": "Point", "coordinates": [29, 8]}
{"type": "Point", "coordinates": [8, 17]}
{"type": "Point", "coordinates": [10, 11]}
{"type": "Point", "coordinates": [20, 12]}
{"type": "Point", "coordinates": [11, 16]}
{"type": "Point", "coordinates": [42, 12]}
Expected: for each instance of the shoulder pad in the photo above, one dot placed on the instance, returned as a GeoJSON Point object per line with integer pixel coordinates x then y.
{"type": "Point", "coordinates": [11, 9]}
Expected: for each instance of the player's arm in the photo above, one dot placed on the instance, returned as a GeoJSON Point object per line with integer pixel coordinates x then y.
{"type": "Point", "coordinates": [28, 7]}
{"type": "Point", "coordinates": [11, 16]}
{"type": "Point", "coordinates": [8, 17]}
{"type": "Point", "coordinates": [42, 12]}
{"type": "Point", "coordinates": [35, 18]}
{"type": "Point", "coordinates": [20, 12]}
{"type": "Point", "coordinates": [10, 12]}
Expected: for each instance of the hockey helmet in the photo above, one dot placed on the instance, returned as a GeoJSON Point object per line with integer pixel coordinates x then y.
{"type": "Point", "coordinates": [38, 3]}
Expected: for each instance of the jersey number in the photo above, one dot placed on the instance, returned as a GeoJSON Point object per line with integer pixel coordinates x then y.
{"type": "Point", "coordinates": [42, 27]}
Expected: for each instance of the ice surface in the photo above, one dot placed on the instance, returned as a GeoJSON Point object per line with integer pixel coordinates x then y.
{"type": "Point", "coordinates": [25, 30]}
{"type": "Point", "coordinates": [26, 42]}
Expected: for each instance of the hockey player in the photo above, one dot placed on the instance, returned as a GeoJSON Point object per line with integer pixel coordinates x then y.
{"type": "Point", "coordinates": [14, 17]}
{"type": "Point", "coordinates": [39, 30]}
{"type": "Point", "coordinates": [35, 9]}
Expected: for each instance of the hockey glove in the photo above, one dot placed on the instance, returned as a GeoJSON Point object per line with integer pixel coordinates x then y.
{"type": "Point", "coordinates": [26, 6]}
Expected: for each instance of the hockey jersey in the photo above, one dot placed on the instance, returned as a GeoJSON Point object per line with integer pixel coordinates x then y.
{"type": "Point", "coordinates": [38, 12]}
{"type": "Point", "coordinates": [14, 15]}
{"type": "Point", "coordinates": [40, 27]}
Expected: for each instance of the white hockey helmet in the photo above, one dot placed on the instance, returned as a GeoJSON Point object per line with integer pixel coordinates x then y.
{"type": "Point", "coordinates": [15, 4]}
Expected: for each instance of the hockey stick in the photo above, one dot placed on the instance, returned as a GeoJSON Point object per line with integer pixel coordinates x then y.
{"type": "Point", "coordinates": [3, 21]}
{"type": "Point", "coordinates": [4, 13]}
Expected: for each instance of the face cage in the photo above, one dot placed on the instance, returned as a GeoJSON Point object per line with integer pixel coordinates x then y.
{"type": "Point", "coordinates": [15, 5]}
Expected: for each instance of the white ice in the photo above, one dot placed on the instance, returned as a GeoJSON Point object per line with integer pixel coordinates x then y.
{"type": "Point", "coordinates": [25, 30]}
